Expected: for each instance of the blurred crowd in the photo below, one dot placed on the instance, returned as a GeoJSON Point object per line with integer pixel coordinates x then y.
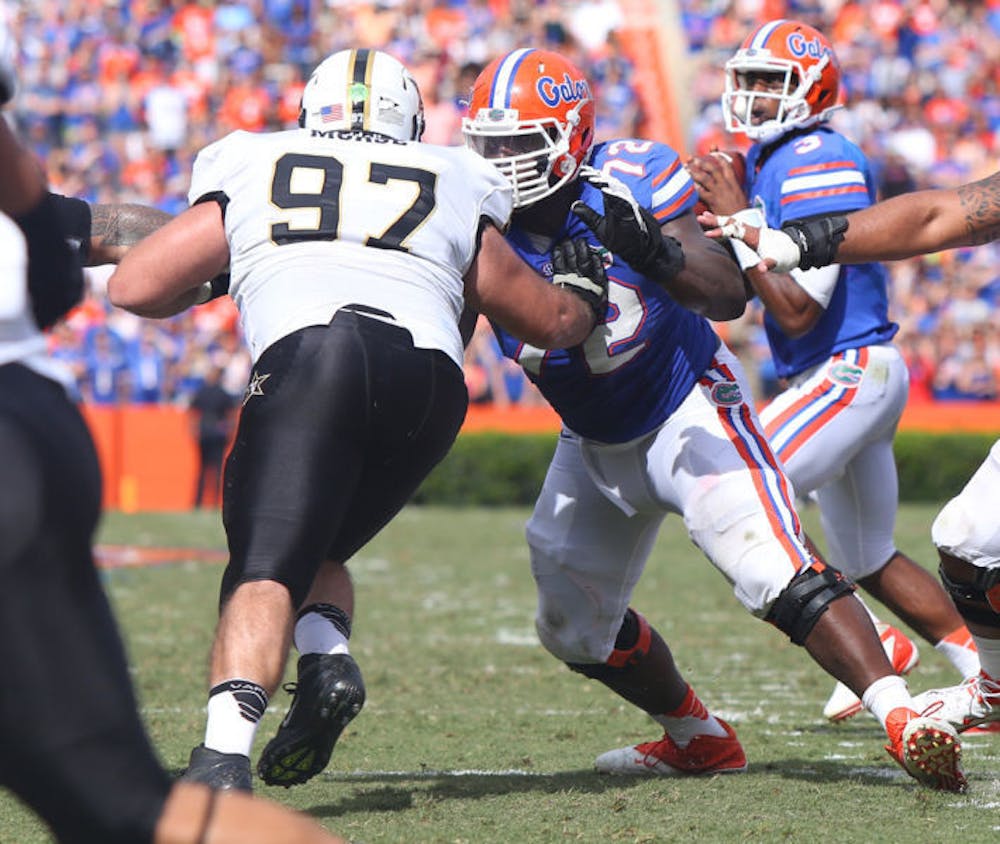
{"type": "Point", "coordinates": [119, 95]}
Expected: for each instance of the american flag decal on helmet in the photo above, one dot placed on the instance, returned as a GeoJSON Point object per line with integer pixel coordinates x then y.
{"type": "Point", "coordinates": [332, 112]}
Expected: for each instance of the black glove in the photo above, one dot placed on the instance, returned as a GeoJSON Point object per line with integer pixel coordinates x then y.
{"type": "Point", "coordinates": [817, 239]}
{"type": "Point", "coordinates": [579, 268]}
{"type": "Point", "coordinates": [629, 230]}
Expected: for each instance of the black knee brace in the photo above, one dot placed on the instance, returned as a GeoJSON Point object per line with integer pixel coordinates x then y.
{"type": "Point", "coordinates": [973, 599]}
{"type": "Point", "coordinates": [797, 609]}
{"type": "Point", "coordinates": [631, 643]}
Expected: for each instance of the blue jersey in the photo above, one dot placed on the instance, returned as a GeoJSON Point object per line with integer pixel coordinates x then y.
{"type": "Point", "coordinates": [643, 359]}
{"type": "Point", "coordinates": [806, 174]}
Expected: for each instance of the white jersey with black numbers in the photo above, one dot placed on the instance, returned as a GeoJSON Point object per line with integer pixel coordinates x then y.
{"type": "Point", "coordinates": [21, 341]}
{"type": "Point", "coordinates": [320, 220]}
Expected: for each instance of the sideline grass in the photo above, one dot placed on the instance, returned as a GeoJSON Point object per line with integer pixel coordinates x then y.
{"type": "Point", "coordinates": [472, 733]}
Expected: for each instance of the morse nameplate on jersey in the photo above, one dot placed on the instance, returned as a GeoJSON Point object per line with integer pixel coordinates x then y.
{"type": "Point", "coordinates": [355, 135]}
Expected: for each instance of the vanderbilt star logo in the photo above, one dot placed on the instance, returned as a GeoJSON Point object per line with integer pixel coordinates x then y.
{"type": "Point", "coordinates": [255, 387]}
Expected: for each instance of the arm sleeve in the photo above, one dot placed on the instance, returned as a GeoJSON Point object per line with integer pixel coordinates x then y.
{"type": "Point", "coordinates": [55, 273]}
{"type": "Point", "coordinates": [818, 283]}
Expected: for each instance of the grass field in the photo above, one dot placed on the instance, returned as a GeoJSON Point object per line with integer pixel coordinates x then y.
{"type": "Point", "coordinates": [472, 733]}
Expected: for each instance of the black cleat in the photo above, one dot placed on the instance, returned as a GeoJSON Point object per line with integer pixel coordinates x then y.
{"type": "Point", "coordinates": [221, 771]}
{"type": "Point", "coordinates": [329, 693]}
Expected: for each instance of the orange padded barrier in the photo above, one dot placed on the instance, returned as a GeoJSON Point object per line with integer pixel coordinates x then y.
{"type": "Point", "coordinates": [148, 456]}
{"type": "Point", "coordinates": [150, 459]}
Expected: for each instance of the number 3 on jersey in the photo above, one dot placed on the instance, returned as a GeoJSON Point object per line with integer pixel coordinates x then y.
{"type": "Point", "coordinates": [303, 181]}
{"type": "Point", "coordinates": [611, 344]}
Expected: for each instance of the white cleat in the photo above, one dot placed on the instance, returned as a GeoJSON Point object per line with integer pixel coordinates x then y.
{"type": "Point", "coordinates": [972, 703]}
{"type": "Point", "coordinates": [903, 655]}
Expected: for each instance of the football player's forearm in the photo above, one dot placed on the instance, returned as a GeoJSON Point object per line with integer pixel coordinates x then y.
{"type": "Point", "coordinates": [164, 273]}
{"type": "Point", "coordinates": [117, 228]}
{"type": "Point", "coordinates": [924, 221]}
{"type": "Point", "coordinates": [711, 284]}
{"type": "Point", "coordinates": [787, 303]}
{"type": "Point", "coordinates": [553, 319]}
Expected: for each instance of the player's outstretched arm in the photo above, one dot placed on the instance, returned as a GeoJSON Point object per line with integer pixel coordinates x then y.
{"type": "Point", "coordinates": [116, 228]}
{"type": "Point", "coordinates": [901, 227]}
{"type": "Point", "coordinates": [165, 273]}
{"type": "Point", "coordinates": [924, 221]}
{"type": "Point", "coordinates": [550, 316]}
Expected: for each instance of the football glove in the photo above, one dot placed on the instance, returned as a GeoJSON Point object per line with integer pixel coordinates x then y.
{"type": "Point", "coordinates": [629, 230]}
{"type": "Point", "coordinates": [579, 268]}
{"type": "Point", "coordinates": [817, 239]}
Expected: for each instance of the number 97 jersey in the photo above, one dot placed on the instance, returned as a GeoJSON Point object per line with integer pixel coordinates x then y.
{"type": "Point", "coordinates": [319, 220]}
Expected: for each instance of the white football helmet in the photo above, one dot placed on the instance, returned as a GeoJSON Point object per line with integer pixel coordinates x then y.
{"type": "Point", "coordinates": [363, 91]}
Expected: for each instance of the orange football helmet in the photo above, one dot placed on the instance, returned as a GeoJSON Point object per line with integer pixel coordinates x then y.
{"type": "Point", "coordinates": [531, 114]}
{"type": "Point", "coordinates": [786, 50]}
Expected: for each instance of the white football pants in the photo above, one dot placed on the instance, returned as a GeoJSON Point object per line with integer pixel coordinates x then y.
{"type": "Point", "coordinates": [833, 430]}
{"type": "Point", "coordinates": [601, 506]}
{"type": "Point", "coordinates": [968, 526]}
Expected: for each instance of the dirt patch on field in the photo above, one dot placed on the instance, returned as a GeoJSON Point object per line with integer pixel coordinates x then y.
{"type": "Point", "coordinates": [133, 556]}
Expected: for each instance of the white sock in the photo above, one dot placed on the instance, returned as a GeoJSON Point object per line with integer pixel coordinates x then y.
{"type": "Point", "coordinates": [235, 708]}
{"type": "Point", "coordinates": [989, 655]}
{"type": "Point", "coordinates": [315, 633]}
{"type": "Point", "coordinates": [886, 694]}
{"type": "Point", "coordinates": [959, 648]}
{"type": "Point", "coordinates": [688, 720]}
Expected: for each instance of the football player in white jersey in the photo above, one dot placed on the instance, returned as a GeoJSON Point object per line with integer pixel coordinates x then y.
{"type": "Point", "coordinates": [845, 381]}
{"type": "Point", "coordinates": [967, 530]}
{"type": "Point", "coordinates": [658, 420]}
{"type": "Point", "coordinates": [351, 251]}
{"type": "Point", "coordinates": [74, 747]}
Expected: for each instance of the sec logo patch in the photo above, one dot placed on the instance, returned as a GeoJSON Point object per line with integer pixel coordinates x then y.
{"type": "Point", "coordinates": [727, 394]}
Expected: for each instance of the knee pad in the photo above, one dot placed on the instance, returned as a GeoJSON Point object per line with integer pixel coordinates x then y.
{"type": "Point", "coordinates": [807, 596]}
{"type": "Point", "coordinates": [631, 645]}
{"type": "Point", "coordinates": [977, 600]}
{"type": "Point", "coordinates": [568, 643]}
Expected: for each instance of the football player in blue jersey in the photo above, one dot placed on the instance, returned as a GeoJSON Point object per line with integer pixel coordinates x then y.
{"type": "Point", "coordinates": [658, 419]}
{"type": "Point", "coordinates": [846, 383]}
{"type": "Point", "coordinates": [966, 532]}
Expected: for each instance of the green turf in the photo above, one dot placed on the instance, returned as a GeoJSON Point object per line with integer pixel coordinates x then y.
{"type": "Point", "coordinates": [472, 733]}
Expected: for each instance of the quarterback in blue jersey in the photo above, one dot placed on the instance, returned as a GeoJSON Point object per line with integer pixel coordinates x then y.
{"type": "Point", "coordinates": [658, 419]}
{"type": "Point", "coordinates": [830, 334]}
